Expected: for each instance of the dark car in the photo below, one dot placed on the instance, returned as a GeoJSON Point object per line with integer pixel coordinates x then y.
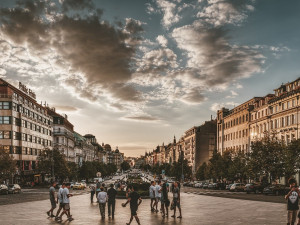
{"type": "Point", "coordinates": [276, 189]}
{"type": "Point", "coordinates": [254, 187]}
{"type": "Point", "coordinates": [3, 189]}
{"type": "Point", "coordinates": [219, 186]}
{"type": "Point", "coordinates": [14, 188]}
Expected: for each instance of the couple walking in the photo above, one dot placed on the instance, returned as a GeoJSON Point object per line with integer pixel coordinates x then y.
{"type": "Point", "coordinates": [108, 197]}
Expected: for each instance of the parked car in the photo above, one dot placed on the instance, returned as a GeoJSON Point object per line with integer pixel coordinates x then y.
{"type": "Point", "coordinates": [276, 189]}
{"type": "Point", "coordinates": [78, 186]}
{"type": "Point", "coordinates": [14, 188]}
{"type": "Point", "coordinates": [210, 186]}
{"type": "Point", "coordinates": [3, 189]}
{"type": "Point", "coordinates": [254, 187]}
{"type": "Point", "coordinates": [237, 187]}
{"type": "Point", "coordinates": [205, 185]}
{"type": "Point", "coordinates": [228, 186]}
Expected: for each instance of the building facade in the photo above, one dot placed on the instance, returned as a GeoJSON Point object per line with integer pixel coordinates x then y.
{"type": "Point", "coordinates": [25, 129]}
{"type": "Point", "coordinates": [63, 135]}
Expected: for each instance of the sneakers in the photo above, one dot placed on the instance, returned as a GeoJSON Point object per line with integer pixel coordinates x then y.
{"type": "Point", "coordinates": [70, 218]}
{"type": "Point", "coordinates": [48, 213]}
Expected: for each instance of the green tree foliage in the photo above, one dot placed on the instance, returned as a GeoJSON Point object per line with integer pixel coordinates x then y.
{"type": "Point", "coordinates": [267, 157]}
{"type": "Point", "coordinates": [57, 159]}
{"type": "Point", "coordinates": [7, 165]}
{"type": "Point", "coordinates": [125, 166]}
{"type": "Point", "coordinates": [176, 169]}
{"type": "Point", "coordinates": [291, 158]}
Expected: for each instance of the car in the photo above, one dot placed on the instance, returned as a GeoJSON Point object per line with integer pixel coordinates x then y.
{"type": "Point", "coordinates": [254, 187]}
{"type": "Point", "coordinates": [237, 187]}
{"type": "Point", "coordinates": [198, 185]}
{"type": "Point", "coordinates": [78, 186]}
{"type": "Point", "coordinates": [228, 186]}
{"type": "Point", "coordinates": [83, 184]}
{"type": "Point", "coordinates": [14, 188]}
{"type": "Point", "coordinates": [205, 185]}
{"type": "Point", "coordinates": [3, 189]}
{"type": "Point", "coordinates": [276, 189]}
{"type": "Point", "coordinates": [210, 186]}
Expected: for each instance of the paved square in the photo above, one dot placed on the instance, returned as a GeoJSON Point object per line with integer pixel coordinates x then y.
{"type": "Point", "coordinates": [197, 209]}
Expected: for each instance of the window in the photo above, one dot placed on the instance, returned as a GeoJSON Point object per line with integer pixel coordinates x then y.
{"type": "Point", "coordinates": [282, 122]}
{"type": "Point", "coordinates": [17, 136]}
{"type": "Point", "coordinates": [5, 120]}
{"type": "Point", "coordinates": [293, 103]}
{"type": "Point", "coordinates": [287, 121]}
{"type": "Point", "coordinates": [288, 105]}
{"type": "Point", "coordinates": [5, 135]}
{"type": "Point", "coordinates": [283, 106]}
{"type": "Point", "coordinates": [5, 105]}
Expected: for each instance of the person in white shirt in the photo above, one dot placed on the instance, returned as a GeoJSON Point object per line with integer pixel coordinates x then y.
{"type": "Point", "coordinates": [102, 199]}
{"type": "Point", "coordinates": [66, 203]}
{"type": "Point", "coordinates": [60, 200]}
{"type": "Point", "coordinates": [152, 195]}
{"type": "Point", "coordinates": [157, 195]}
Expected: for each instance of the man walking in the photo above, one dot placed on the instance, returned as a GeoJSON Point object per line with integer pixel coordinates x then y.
{"type": "Point", "coordinates": [98, 185]}
{"type": "Point", "coordinates": [60, 200]}
{"type": "Point", "coordinates": [176, 200]}
{"type": "Point", "coordinates": [152, 195]}
{"type": "Point", "coordinates": [52, 199]}
{"type": "Point", "coordinates": [111, 201]}
{"type": "Point", "coordinates": [102, 199]}
{"type": "Point", "coordinates": [93, 190]}
{"type": "Point", "coordinates": [157, 194]}
{"type": "Point", "coordinates": [135, 200]}
{"type": "Point", "coordinates": [66, 203]}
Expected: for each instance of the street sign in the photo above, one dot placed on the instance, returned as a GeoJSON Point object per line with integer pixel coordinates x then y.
{"type": "Point", "coordinates": [163, 172]}
{"type": "Point", "coordinates": [98, 174]}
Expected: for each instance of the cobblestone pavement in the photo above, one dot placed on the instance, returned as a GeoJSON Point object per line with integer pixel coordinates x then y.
{"type": "Point", "coordinates": [236, 195]}
{"type": "Point", "coordinates": [197, 210]}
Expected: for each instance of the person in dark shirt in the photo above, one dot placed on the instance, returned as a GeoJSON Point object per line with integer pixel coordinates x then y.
{"type": "Point", "coordinates": [135, 200]}
{"type": "Point", "coordinates": [111, 201]}
{"type": "Point", "coordinates": [293, 200]}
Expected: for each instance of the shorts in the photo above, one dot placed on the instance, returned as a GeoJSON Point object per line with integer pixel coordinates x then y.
{"type": "Point", "coordinates": [176, 203]}
{"type": "Point", "coordinates": [53, 203]}
{"type": "Point", "coordinates": [61, 205]}
{"type": "Point", "coordinates": [133, 211]}
{"type": "Point", "coordinates": [152, 198]}
{"type": "Point", "coordinates": [157, 199]}
{"type": "Point", "coordinates": [66, 206]}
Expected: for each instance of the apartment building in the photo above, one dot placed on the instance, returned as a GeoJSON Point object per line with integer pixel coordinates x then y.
{"type": "Point", "coordinates": [25, 129]}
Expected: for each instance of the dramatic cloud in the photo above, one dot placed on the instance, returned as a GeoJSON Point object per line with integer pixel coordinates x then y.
{"type": "Point", "coordinates": [98, 51]}
{"type": "Point", "coordinates": [141, 118]}
{"type": "Point", "coordinates": [212, 58]}
{"type": "Point", "coordinates": [162, 40]}
{"type": "Point", "coordinates": [220, 12]}
{"type": "Point", "coordinates": [217, 106]}
{"type": "Point", "coordinates": [168, 9]}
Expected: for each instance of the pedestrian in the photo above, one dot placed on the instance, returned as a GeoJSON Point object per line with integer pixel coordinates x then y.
{"type": "Point", "coordinates": [135, 200]}
{"type": "Point", "coordinates": [292, 204]}
{"type": "Point", "coordinates": [98, 185]}
{"type": "Point", "coordinates": [52, 199]}
{"type": "Point", "coordinates": [165, 202]}
{"type": "Point", "coordinates": [111, 201]}
{"type": "Point", "coordinates": [176, 200]}
{"type": "Point", "coordinates": [104, 188]}
{"type": "Point", "coordinates": [152, 195]}
{"type": "Point", "coordinates": [157, 194]}
{"type": "Point", "coordinates": [66, 203]}
{"type": "Point", "coordinates": [60, 200]}
{"type": "Point", "coordinates": [93, 190]}
{"type": "Point", "coordinates": [102, 199]}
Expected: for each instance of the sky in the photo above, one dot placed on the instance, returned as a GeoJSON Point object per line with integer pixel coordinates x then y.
{"type": "Point", "coordinates": [135, 73]}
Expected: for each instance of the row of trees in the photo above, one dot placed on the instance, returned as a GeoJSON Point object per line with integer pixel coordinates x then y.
{"type": "Point", "coordinates": [268, 158]}
{"type": "Point", "coordinates": [177, 169]}
{"type": "Point", "coordinates": [53, 161]}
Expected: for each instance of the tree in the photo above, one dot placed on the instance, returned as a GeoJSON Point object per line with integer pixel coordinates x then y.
{"type": "Point", "coordinates": [125, 166]}
{"type": "Point", "coordinates": [55, 158]}
{"type": "Point", "coordinates": [88, 170]}
{"type": "Point", "coordinates": [266, 158]}
{"type": "Point", "coordinates": [73, 171]}
{"type": "Point", "coordinates": [176, 169]}
{"type": "Point", "coordinates": [291, 158]}
{"type": "Point", "coordinates": [7, 165]}
{"type": "Point", "coordinates": [238, 167]}
{"type": "Point", "coordinates": [201, 173]}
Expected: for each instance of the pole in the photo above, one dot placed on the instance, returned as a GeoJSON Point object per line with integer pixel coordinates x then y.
{"type": "Point", "coordinates": [52, 165]}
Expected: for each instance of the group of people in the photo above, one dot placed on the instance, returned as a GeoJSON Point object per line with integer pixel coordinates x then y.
{"type": "Point", "coordinates": [158, 192]}
{"type": "Point", "coordinates": [63, 199]}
